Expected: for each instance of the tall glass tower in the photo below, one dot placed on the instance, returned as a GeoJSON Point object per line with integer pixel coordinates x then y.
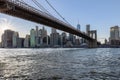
{"type": "Point", "coordinates": [78, 26]}
{"type": "Point", "coordinates": [32, 38]}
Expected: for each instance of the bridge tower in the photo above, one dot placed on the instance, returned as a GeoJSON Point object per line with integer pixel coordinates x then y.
{"type": "Point", "coordinates": [93, 34]}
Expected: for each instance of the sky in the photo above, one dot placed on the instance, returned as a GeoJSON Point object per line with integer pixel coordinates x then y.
{"type": "Point", "coordinates": [100, 14]}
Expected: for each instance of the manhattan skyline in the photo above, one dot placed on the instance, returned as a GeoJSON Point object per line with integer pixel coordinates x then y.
{"type": "Point", "coordinates": [101, 15]}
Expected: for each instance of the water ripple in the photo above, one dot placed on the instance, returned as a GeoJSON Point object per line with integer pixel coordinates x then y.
{"type": "Point", "coordinates": [60, 64]}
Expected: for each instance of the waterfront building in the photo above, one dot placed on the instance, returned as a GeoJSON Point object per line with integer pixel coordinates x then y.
{"type": "Point", "coordinates": [72, 38]}
{"type": "Point", "coordinates": [54, 30]}
{"type": "Point", "coordinates": [43, 32]}
{"type": "Point", "coordinates": [63, 38]}
{"type": "Point", "coordinates": [15, 39]}
{"type": "Point", "coordinates": [77, 41]}
{"type": "Point", "coordinates": [69, 44]}
{"type": "Point", "coordinates": [39, 37]}
{"type": "Point", "coordinates": [115, 32]}
{"type": "Point", "coordinates": [0, 44]}
{"type": "Point", "coordinates": [36, 31]}
{"type": "Point", "coordinates": [115, 35]}
{"type": "Point", "coordinates": [21, 42]}
{"type": "Point", "coordinates": [36, 37]}
{"type": "Point", "coordinates": [27, 41]}
{"type": "Point", "coordinates": [32, 38]}
{"type": "Point", "coordinates": [54, 38]}
{"type": "Point", "coordinates": [3, 41]}
{"type": "Point", "coordinates": [106, 41]}
{"type": "Point", "coordinates": [7, 39]}
{"type": "Point", "coordinates": [42, 37]}
{"type": "Point", "coordinates": [83, 41]}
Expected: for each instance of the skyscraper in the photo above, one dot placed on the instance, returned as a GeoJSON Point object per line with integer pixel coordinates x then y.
{"type": "Point", "coordinates": [87, 29]}
{"type": "Point", "coordinates": [32, 38]}
{"type": "Point", "coordinates": [115, 32]}
{"type": "Point", "coordinates": [64, 38]}
{"type": "Point", "coordinates": [3, 40]}
{"type": "Point", "coordinates": [72, 38]}
{"type": "Point", "coordinates": [15, 39]}
{"type": "Point", "coordinates": [21, 42]}
{"type": "Point", "coordinates": [44, 36]}
{"type": "Point", "coordinates": [27, 41]}
{"type": "Point", "coordinates": [0, 45]}
{"type": "Point", "coordinates": [54, 37]}
{"type": "Point", "coordinates": [77, 40]}
{"type": "Point", "coordinates": [78, 26]}
{"type": "Point", "coordinates": [115, 35]}
{"type": "Point", "coordinates": [53, 30]}
{"type": "Point", "coordinates": [7, 39]}
{"type": "Point", "coordinates": [37, 31]}
{"type": "Point", "coordinates": [36, 36]}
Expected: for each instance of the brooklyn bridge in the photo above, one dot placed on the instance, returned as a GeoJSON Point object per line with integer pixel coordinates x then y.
{"type": "Point", "coordinates": [22, 10]}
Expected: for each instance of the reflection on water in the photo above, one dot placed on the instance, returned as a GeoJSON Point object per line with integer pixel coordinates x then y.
{"type": "Point", "coordinates": [60, 64]}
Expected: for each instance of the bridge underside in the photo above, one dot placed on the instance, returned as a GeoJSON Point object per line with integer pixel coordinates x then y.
{"type": "Point", "coordinates": [20, 12]}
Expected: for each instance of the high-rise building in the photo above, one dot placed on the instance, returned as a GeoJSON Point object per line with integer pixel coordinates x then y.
{"type": "Point", "coordinates": [87, 29]}
{"type": "Point", "coordinates": [27, 41]}
{"type": "Point", "coordinates": [15, 39]}
{"type": "Point", "coordinates": [37, 31]}
{"type": "Point", "coordinates": [0, 45]}
{"type": "Point", "coordinates": [53, 30]}
{"type": "Point", "coordinates": [7, 39]}
{"type": "Point", "coordinates": [78, 26]}
{"type": "Point", "coordinates": [115, 32]}
{"type": "Point", "coordinates": [40, 37]}
{"type": "Point", "coordinates": [115, 35]}
{"type": "Point", "coordinates": [77, 41]}
{"type": "Point", "coordinates": [43, 32]}
{"type": "Point", "coordinates": [106, 41]}
{"type": "Point", "coordinates": [64, 38]}
{"type": "Point", "coordinates": [3, 40]}
{"type": "Point", "coordinates": [36, 37]}
{"type": "Point", "coordinates": [21, 42]}
{"type": "Point", "coordinates": [32, 38]}
{"type": "Point", "coordinates": [54, 38]}
{"type": "Point", "coordinates": [72, 38]}
{"type": "Point", "coordinates": [44, 37]}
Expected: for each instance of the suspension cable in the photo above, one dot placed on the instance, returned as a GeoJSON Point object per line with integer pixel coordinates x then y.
{"type": "Point", "coordinates": [40, 6]}
{"type": "Point", "coordinates": [57, 11]}
{"type": "Point", "coordinates": [23, 1]}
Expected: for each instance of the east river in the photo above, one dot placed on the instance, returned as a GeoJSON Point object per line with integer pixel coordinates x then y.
{"type": "Point", "coordinates": [60, 64]}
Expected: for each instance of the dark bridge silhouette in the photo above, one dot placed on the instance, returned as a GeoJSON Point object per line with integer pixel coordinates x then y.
{"type": "Point", "coordinates": [22, 10]}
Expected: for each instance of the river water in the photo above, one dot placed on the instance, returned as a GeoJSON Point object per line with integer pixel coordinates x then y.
{"type": "Point", "coordinates": [60, 64]}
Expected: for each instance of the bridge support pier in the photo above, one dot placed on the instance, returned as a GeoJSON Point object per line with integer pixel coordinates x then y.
{"type": "Point", "coordinates": [92, 44]}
